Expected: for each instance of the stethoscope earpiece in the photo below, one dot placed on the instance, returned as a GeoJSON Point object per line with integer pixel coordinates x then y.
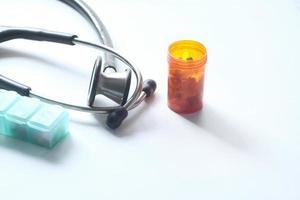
{"type": "Point", "coordinates": [149, 87]}
{"type": "Point", "coordinates": [115, 118]}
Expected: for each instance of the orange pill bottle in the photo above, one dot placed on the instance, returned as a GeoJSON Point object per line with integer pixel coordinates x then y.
{"type": "Point", "coordinates": [187, 61]}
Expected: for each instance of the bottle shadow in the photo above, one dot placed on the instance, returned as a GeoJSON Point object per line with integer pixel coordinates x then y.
{"type": "Point", "coordinates": [222, 128]}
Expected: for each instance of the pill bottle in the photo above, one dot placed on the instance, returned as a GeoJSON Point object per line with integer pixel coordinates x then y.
{"type": "Point", "coordinates": [186, 59]}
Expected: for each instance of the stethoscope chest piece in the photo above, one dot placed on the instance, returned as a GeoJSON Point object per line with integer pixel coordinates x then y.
{"type": "Point", "coordinates": [114, 85]}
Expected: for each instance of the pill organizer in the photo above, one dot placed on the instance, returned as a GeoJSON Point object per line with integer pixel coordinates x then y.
{"type": "Point", "coordinates": [31, 120]}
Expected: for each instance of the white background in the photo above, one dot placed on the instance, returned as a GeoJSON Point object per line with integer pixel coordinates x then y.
{"type": "Point", "coordinates": [244, 145]}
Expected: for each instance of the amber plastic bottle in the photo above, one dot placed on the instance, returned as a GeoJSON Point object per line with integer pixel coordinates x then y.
{"type": "Point", "coordinates": [187, 61]}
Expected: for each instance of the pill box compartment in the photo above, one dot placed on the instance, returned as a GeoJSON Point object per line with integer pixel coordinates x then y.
{"type": "Point", "coordinates": [7, 99]}
{"type": "Point", "coordinates": [31, 120]}
{"type": "Point", "coordinates": [48, 126]}
{"type": "Point", "coordinates": [17, 116]}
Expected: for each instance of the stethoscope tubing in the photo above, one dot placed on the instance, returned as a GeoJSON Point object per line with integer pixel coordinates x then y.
{"type": "Point", "coordinates": [93, 19]}
{"type": "Point", "coordinates": [136, 98]}
{"type": "Point", "coordinates": [116, 114]}
{"type": "Point", "coordinates": [88, 13]}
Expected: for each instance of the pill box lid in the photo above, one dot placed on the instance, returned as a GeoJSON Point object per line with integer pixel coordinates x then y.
{"type": "Point", "coordinates": [48, 117]}
{"type": "Point", "coordinates": [23, 109]}
{"type": "Point", "coordinates": [7, 99]}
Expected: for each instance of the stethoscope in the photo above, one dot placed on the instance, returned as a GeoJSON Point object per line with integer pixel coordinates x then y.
{"type": "Point", "coordinates": [113, 84]}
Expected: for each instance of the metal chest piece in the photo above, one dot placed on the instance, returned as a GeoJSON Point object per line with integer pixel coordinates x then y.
{"type": "Point", "coordinates": [114, 85]}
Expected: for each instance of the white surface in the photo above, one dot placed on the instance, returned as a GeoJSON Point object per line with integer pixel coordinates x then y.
{"type": "Point", "coordinates": [244, 145]}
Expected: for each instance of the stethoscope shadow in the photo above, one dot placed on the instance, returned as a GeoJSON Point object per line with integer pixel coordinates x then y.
{"type": "Point", "coordinates": [131, 125]}
{"type": "Point", "coordinates": [55, 155]}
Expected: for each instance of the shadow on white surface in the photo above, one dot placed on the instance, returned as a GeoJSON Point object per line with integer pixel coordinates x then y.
{"type": "Point", "coordinates": [224, 129]}
{"type": "Point", "coordinates": [55, 155]}
{"type": "Point", "coordinates": [9, 53]}
{"type": "Point", "coordinates": [130, 126]}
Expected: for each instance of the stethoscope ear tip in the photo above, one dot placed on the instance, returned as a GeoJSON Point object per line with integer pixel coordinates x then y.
{"type": "Point", "coordinates": [149, 87]}
{"type": "Point", "coordinates": [115, 118]}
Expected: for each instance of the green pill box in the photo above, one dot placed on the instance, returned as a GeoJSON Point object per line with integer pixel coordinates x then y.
{"type": "Point", "coordinates": [31, 120]}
